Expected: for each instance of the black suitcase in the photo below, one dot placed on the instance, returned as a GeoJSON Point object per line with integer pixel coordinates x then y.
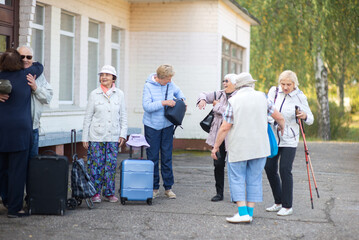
{"type": "Point", "coordinates": [48, 184]}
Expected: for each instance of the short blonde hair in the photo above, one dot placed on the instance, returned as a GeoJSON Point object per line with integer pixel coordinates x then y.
{"type": "Point", "coordinates": [288, 74]}
{"type": "Point", "coordinates": [165, 71]}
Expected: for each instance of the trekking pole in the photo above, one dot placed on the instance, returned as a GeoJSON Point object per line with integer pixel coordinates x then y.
{"type": "Point", "coordinates": [307, 162]}
{"type": "Point", "coordinates": [307, 156]}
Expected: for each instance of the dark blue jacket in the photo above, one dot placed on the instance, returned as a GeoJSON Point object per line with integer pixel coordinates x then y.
{"type": "Point", "coordinates": [15, 113]}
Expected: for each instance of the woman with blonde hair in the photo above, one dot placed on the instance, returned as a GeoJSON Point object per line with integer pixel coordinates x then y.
{"type": "Point", "coordinates": [158, 92]}
{"type": "Point", "coordinates": [286, 97]}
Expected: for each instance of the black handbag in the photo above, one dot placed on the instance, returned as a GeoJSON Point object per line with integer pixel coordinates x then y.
{"type": "Point", "coordinates": [207, 121]}
{"type": "Point", "coordinates": [5, 86]}
{"type": "Point", "coordinates": [176, 113]}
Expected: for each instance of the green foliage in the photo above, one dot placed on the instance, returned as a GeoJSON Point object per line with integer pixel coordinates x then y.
{"type": "Point", "coordinates": [353, 94]}
{"type": "Point", "coordinates": [291, 35]}
{"type": "Point", "coordinates": [339, 121]}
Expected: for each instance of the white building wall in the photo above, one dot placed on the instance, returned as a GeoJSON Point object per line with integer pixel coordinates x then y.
{"type": "Point", "coordinates": [183, 34]}
{"type": "Point", "coordinates": [57, 117]}
{"type": "Point", "coordinates": [188, 35]}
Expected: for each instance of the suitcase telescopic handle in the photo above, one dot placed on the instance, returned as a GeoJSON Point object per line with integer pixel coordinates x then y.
{"type": "Point", "coordinates": [141, 152]}
{"type": "Point", "coordinates": [73, 142]}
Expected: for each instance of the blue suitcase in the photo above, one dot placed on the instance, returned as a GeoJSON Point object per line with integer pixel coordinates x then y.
{"type": "Point", "coordinates": [136, 180]}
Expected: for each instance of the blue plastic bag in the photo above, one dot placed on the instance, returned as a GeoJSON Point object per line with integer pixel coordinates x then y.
{"type": "Point", "coordinates": [272, 142]}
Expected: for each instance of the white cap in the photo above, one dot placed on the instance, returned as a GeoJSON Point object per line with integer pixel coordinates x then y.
{"type": "Point", "coordinates": [108, 69]}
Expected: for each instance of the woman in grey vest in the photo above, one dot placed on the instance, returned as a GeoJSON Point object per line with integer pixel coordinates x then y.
{"type": "Point", "coordinates": [245, 129]}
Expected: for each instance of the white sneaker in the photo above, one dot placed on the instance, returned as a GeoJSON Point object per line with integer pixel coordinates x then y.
{"type": "Point", "coordinates": [239, 219]}
{"type": "Point", "coordinates": [274, 208]}
{"type": "Point", "coordinates": [285, 212]}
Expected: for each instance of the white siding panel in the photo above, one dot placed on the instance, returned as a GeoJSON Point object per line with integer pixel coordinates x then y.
{"type": "Point", "coordinates": [195, 60]}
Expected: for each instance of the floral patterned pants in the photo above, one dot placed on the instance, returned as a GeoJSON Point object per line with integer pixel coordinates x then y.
{"type": "Point", "coordinates": [102, 163]}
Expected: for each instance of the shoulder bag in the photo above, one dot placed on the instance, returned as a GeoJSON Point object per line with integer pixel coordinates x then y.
{"type": "Point", "coordinates": [207, 120]}
{"type": "Point", "coordinates": [175, 114]}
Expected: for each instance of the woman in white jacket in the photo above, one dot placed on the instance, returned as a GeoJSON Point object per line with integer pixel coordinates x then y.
{"type": "Point", "coordinates": [286, 97]}
{"type": "Point", "coordinates": [104, 132]}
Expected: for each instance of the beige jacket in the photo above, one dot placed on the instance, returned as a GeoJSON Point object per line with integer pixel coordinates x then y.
{"type": "Point", "coordinates": [106, 117]}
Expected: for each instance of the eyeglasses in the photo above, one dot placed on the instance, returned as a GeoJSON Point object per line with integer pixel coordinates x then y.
{"type": "Point", "coordinates": [29, 57]}
{"type": "Point", "coordinates": [225, 81]}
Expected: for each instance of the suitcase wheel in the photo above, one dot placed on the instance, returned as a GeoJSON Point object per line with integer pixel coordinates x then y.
{"type": "Point", "coordinates": [71, 204]}
{"type": "Point", "coordinates": [149, 201]}
{"type": "Point", "coordinates": [123, 201]}
{"type": "Point", "coordinates": [79, 201]}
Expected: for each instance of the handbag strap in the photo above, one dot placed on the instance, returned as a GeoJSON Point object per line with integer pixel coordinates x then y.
{"type": "Point", "coordinates": [276, 94]}
{"type": "Point", "coordinates": [215, 97]}
{"type": "Point", "coordinates": [166, 92]}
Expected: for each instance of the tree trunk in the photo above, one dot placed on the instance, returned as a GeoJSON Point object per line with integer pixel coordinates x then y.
{"type": "Point", "coordinates": [341, 85]}
{"type": "Point", "coordinates": [321, 86]}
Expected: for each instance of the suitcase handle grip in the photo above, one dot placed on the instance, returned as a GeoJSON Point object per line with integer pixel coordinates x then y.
{"type": "Point", "coordinates": [49, 151]}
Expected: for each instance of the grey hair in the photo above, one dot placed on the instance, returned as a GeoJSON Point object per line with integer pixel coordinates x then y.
{"type": "Point", "coordinates": [288, 74]}
{"type": "Point", "coordinates": [231, 77]}
{"type": "Point", "coordinates": [27, 47]}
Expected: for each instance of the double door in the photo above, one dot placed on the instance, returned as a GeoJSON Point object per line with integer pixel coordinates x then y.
{"type": "Point", "coordinates": [9, 24]}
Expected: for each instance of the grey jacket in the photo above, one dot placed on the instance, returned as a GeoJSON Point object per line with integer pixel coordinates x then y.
{"type": "Point", "coordinates": [218, 111]}
{"type": "Point", "coordinates": [41, 96]}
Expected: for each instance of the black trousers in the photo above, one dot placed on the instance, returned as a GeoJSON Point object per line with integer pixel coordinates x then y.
{"type": "Point", "coordinates": [219, 169]}
{"type": "Point", "coordinates": [282, 187]}
{"type": "Point", "coordinates": [13, 170]}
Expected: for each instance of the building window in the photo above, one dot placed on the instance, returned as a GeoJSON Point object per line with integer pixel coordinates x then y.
{"type": "Point", "coordinates": [67, 35]}
{"type": "Point", "coordinates": [115, 52]}
{"type": "Point", "coordinates": [37, 37]}
{"type": "Point", "coordinates": [232, 58]}
{"type": "Point", "coordinates": [93, 56]}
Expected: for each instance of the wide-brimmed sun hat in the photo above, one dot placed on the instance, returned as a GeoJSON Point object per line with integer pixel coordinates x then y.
{"type": "Point", "coordinates": [243, 79]}
{"type": "Point", "coordinates": [137, 141]}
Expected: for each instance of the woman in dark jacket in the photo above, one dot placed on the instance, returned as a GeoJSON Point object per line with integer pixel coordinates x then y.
{"type": "Point", "coordinates": [15, 130]}
{"type": "Point", "coordinates": [219, 102]}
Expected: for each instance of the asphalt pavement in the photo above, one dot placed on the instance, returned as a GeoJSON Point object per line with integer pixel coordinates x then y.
{"type": "Point", "coordinates": [193, 216]}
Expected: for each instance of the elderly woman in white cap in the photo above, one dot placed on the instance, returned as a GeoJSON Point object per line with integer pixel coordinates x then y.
{"type": "Point", "coordinates": [219, 100]}
{"type": "Point", "coordinates": [104, 132]}
{"type": "Point", "coordinates": [247, 144]}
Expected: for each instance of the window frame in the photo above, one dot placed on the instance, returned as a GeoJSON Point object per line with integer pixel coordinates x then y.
{"type": "Point", "coordinates": [42, 29]}
{"type": "Point", "coordinates": [97, 41]}
{"type": "Point", "coordinates": [116, 46]}
{"type": "Point", "coordinates": [72, 35]}
{"type": "Point", "coordinates": [231, 59]}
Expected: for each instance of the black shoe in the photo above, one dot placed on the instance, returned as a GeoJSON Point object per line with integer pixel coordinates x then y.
{"type": "Point", "coordinates": [17, 215]}
{"type": "Point", "coordinates": [217, 198]}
